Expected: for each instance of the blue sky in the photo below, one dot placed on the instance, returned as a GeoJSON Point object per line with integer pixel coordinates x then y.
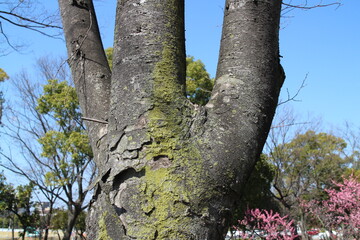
{"type": "Point", "coordinates": [323, 43]}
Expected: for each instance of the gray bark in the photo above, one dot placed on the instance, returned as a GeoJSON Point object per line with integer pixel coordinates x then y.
{"type": "Point", "coordinates": [169, 169]}
{"type": "Point", "coordinates": [90, 71]}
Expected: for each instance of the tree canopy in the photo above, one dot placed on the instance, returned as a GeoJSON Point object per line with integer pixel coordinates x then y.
{"type": "Point", "coordinates": [19, 202]}
{"type": "Point", "coordinates": [308, 164]}
{"type": "Point", "coordinates": [3, 77]}
{"type": "Point", "coordinates": [198, 82]}
{"type": "Point", "coordinates": [57, 154]}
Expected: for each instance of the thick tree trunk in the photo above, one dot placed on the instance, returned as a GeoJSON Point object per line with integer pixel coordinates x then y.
{"type": "Point", "coordinates": [172, 170]}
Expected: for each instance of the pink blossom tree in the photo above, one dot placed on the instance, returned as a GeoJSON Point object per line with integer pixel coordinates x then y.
{"type": "Point", "coordinates": [341, 211]}
{"type": "Point", "coordinates": [266, 225]}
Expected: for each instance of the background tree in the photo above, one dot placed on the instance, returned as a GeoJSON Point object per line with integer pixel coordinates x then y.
{"type": "Point", "coordinates": [69, 148]}
{"type": "Point", "coordinates": [56, 149]}
{"type": "Point", "coordinates": [257, 191]}
{"type": "Point", "coordinates": [351, 134]}
{"type": "Point", "coordinates": [24, 208]}
{"type": "Point", "coordinates": [340, 212]}
{"type": "Point", "coordinates": [198, 82]}
{"type": "Point", "coordinates": [7, 196]}
{"type": "Point", "coordinates": [3, 77]}
{"type": "Point", "coordinates": [109, 56]}
{"type": "Point", "coordinates": [19, 202]}
{"type": "Point", "coordinates": [169, 169]}
{"type": "Point", "coordinates": [6, 193]}
{"type": "Point", "coordinates": [306, 166]}
{"type": "Point", "coordinates": [80, 225]}
{"type": "Point", "coordinates": [303, 168]}
{"type": "Point", "coordinates": [59, 221]}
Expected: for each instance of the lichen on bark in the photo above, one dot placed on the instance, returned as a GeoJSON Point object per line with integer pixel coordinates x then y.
{"type": "Point", "coordinates": [172, 170]}
{"type": "Point", "coordinates": [103, 235]}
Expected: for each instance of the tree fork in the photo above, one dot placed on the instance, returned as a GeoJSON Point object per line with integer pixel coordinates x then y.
{"type": "Point", "coordinates": [172, 170]}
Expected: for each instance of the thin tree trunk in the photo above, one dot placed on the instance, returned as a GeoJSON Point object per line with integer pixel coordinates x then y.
{"type": "Point", "coordinates": [48, 221]}
{"type": "Point", "coordinates": [72, 217]}
{"type": "Point", "coordinates": [46, 234]}
{"type": "Point", "coordinates": [24, 233]}
{"type": "Point", "coordinates": [13, 228]}
{"type": "Point", "coordinates": [172, 170]}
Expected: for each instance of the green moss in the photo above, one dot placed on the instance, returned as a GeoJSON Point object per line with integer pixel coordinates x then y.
{"type": "Point", "coordinates": [168, 190]}
{"type": "Point", "coordinates": [166, 118]}
{"type": "Point", "coordinates": [167, 85]}
{"type": "Point", "coordinates": [166, 204]}
{"type": "Point", "coordinates": [174, 168]}
{"type": "Point", "coordinates": [103, 235]}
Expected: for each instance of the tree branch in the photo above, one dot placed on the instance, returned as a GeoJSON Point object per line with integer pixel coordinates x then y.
{"type": "Point", "coordinates": [293, 98]}
{"type": "Point", "coordinates": [306, 7]}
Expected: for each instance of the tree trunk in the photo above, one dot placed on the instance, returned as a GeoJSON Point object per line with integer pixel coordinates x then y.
{"type": "Point", "coordinates": [12, 228]}
{"type": "Point", "coordinates": [23, 233]}
{"type": "Point", "coordinates": [46, 234]}
{"type": "Point", "coordinates": [72, 217]}
{"type": "Point", "coordinates": [169, 169]}
{"type": "Point", "coordinates": [48, 220]}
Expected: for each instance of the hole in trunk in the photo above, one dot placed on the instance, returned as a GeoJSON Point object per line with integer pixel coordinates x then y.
{"type": "Point", "coordinates": [125, 175]}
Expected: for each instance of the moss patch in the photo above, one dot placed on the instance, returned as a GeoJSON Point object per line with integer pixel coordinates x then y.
{"type": "Point", "coordinates": [103, 234]}
{"type": "Point", "coordinates": [165, 193]}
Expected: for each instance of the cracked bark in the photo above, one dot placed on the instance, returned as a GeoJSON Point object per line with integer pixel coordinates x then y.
{"type": "Point", "coordinates": [169, 169]}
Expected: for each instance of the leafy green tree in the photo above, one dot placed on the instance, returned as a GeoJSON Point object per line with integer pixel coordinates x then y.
{"type": "Point", "coordinates": [257, 191]}
{"type": "Point", "coordinates": [198, 82]}
{"type": "Point", "coordinates": [109, 56]}
{"type": "Point", "coordinates": [68, 147]}
{"type": "Point", "coordinates": [3, 77]}
{"type": "Point", "coordinates": [80, 225]}
{"type": "Point", "coordinates": [7, 193]}
{"type": "Point", "coordinates": [59, 221]}
{"type": "Point", "coordinates": [7, 197]}
{"type": "Point", "coordinates": [304, 167]}
{"type": "Point", "coordinates": [18, 201]}
{"type": "Point", "coordinates": [24, 208]}
{"type": "Point", "coordinates": [57, 154]}
{"type": "Point", "coordinates": [308, 164]}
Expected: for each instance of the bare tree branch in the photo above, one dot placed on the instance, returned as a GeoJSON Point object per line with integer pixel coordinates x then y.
{"type": "Point", "coordinates": [293, 97]}
{"type": "Point", "coordinates": [305, 5]}
{"type": "Point", "coordinates": [290, 5]}
{"type": "Point", "coordinates": [28, 15]}
{"type": "Point", "coordinates": [25, 125]}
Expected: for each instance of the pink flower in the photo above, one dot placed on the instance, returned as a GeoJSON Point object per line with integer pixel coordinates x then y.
{"type": "Point", "coordinates": [267, 225]}
{"type": "Point", "coordinates": [341, 210]}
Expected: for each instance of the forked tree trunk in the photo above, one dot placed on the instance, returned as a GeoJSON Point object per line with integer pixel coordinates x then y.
{"type": "Point", "coordinates": [169, 169]}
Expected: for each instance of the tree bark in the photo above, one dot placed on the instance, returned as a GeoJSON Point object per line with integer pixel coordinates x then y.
{"type": "Point", "coordinates": [170, 169]}
{"type": "Point", "coordinates": [90, 71]}
{"type": "Point", "coordinates": [48, 217]}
